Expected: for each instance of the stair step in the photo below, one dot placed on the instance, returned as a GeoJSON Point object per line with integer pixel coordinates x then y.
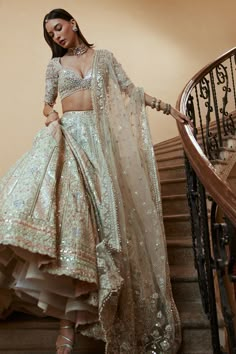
{"type": "Point", "coordinates": [169, 161]}
{"type": "Point", "coordinates": [169, 152]}
{"type": "Point", "coordinates": [179, 243]}
{"type": "Point", "coordinates": [196, 338]}
{"type": "Point", "coordinates": [38, 336]}
{"type": "Point", "coordinates": [183, 274]}
{"type": "Point", "coordinates": [193, 322]}
{"type": "Point", "coordinates": [192, 315]}
{"type": "Point", "coordinates": [172, 204]}
{"type": "Point", "coordinates": [172, 172]}
{"type": "Point", "coordinates": [177, 226]}
{"type": "Point", "coordinates": [52, 350]}
{"type": "Point", "coordinates": [172, 186]}
{"type": "Point", "coordinates": [187, 291]}
{"type": "Point", "coordinates": [189, 351]}
{"type": "Point", "coordinates": [167, 143]}
{"type": "Point", "coordinates": [184, 282]}
{"type": "Point", "coordinates": [32, 351]}
{"type": "Point", "coordinates": [180, 252]}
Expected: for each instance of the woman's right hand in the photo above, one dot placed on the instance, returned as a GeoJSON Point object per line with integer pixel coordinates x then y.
{"type": "Point", "coordinates": [51, 118]}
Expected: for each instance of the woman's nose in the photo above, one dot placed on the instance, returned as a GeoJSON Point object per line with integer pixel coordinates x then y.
{"type": "Point", "coordinates": [57, 36]}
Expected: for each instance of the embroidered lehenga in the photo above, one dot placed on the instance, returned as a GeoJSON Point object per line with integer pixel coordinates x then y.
{"type": "Point", "coordinates": [81, 230]}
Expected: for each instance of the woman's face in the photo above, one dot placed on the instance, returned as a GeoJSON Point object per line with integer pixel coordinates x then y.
{"type": "Point", "coordinates": [61, 32]}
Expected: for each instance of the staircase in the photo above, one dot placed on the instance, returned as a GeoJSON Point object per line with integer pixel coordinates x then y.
{"type": "Point", "coordinates": [170, 160]}
{"type": "Point", "coordinates": [195, 326]}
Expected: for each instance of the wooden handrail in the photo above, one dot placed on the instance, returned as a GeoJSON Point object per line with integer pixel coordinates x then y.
{"type": "Point", "coordinates": [217, 188]}
{"type": "Point", "coordinates": [181, 102]}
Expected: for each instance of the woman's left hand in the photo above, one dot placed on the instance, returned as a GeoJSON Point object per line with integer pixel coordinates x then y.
{"type": "Point", "coordinates": [180, 117]}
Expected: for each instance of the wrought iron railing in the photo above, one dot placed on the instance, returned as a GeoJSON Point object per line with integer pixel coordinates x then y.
{"type": "Point", "coordinates": [209, 99]}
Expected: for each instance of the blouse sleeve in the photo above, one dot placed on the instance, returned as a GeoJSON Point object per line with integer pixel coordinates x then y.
{"type": "Point", "coordinates": [51, 84]}
{"type": "Point", "coordinates": [124, 81]}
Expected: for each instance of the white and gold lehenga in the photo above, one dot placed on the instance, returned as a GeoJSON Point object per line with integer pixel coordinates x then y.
{"type": "Point", "coordinates": [81, 230]}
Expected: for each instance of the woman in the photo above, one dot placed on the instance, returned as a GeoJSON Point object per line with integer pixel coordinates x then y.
{"type": "Point", "coordinates": [82, 236]}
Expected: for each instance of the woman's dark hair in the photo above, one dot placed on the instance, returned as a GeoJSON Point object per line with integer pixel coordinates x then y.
{"type": "Point", "coordinates": [58, 51]}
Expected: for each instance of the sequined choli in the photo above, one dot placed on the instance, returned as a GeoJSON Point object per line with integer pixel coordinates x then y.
{"type": "Point", "coordinates": [81, 230]}
{"type": "Point", "coordinates": [64, 80]}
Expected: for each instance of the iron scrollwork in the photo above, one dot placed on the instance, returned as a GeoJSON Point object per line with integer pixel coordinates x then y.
{"type": "Point", "coordinates": [223, 79]}
{"type": "Point", "coordinates": [212, 146]}
{"type": "Point", "coordinates": [211, 105]}
{"type": "Point", "coordinates": [202, 255]}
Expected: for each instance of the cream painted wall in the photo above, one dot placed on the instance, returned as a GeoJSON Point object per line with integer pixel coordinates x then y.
{"type": "Point", "coordinates": [160, 43]}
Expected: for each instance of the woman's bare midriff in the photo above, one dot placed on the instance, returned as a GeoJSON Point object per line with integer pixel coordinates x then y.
{"type": "Point", "coordinates": [78, 101]}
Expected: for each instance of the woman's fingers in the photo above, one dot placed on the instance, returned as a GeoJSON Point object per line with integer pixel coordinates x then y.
{"type": "Point", "coordinates": [182, 118]}
{"type": "Point", "coordinates": [48, 122]}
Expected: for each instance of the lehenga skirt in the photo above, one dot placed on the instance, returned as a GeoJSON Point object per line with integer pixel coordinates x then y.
{"type": "Point", "coordinates": [73, 244]}
{"type": "Point", "coordinates": [49, 225]}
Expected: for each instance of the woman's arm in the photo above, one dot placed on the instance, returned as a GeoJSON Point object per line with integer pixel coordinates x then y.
{"type": "Point", "coordinates": [149, 100]}
{"type": "Point", "coordinates": [159, 105]}
{"type": "Point", "coordinates": [51, 89]}
{"type": "Point", "coordinates": [50, 114]}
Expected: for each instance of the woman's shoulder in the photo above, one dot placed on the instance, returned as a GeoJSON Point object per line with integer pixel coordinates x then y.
{"type": "Point", "coordinates": [104, 50]}
{"type": "Point", "coordinates": [54, 63]}
{"type": "Point", "coordinates": [105, 54]}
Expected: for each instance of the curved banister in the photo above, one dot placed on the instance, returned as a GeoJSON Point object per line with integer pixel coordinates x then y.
{"type": "Point", "coordinates": [200, 74]}
{"type": "Point", "coordinates": [219, 190]}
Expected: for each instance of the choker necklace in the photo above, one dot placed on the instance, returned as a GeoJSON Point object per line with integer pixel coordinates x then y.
{"type": "Point", "coordinates": [80, 50]}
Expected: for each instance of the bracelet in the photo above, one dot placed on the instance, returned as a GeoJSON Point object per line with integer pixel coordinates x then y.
{"type": "Point", "coordinates": [158, 105]}
{"type": "Point", "coordinates": [153, 103]}
{"type": "Point", "coordinates": [52, 111]}
{"type": "Point", "coordinates": [167, 109]}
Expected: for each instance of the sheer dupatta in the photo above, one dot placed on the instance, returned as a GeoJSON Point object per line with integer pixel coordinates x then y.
{"type": "Point", "coordinates": [140, 313]}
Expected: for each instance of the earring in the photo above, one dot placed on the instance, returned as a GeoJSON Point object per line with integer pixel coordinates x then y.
{"type": "Point", "coordinates": [75, 28]}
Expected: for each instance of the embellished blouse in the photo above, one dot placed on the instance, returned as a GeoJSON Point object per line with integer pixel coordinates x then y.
{"type": "Point", "coordinates": [66, 81]}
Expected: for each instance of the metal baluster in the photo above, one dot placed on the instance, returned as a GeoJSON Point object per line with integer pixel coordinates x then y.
{"type": "Point", "coordinates": [216, 108]}
{"type": "Point", "coordinates": [233, 81]}
{"type": "Point", "coordinates": [222, 76]}
{"type": "Point", "coordinates": [199, 257]}
{"type": "Point", "coordinates": [200, 119]}
{"type": "Point", "coordinates": [212, 146]}
{"type": "Point", "coordinates": [220, 239]}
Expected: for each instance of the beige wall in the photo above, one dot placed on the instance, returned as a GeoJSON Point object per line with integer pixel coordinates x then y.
{"type": "Point", "coordinates": [161, 44]}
